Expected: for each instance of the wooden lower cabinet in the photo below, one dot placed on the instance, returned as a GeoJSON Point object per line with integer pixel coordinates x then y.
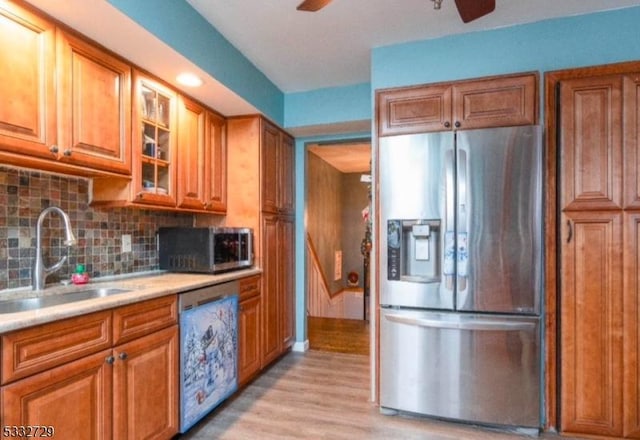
{"type": "Point", "coordinates": [592, 324]}
{"type": "Point", "coordinates": [126, 391]}
{"type": "Point", "coordinates": [278, 306]}
{"type": "Point", "coordinates": [249, 330]}
{"type": "Point", "coordinates": [271, 343]}
{"type": "Point", "coordinates": [145, 387]}
{"type": "Point", "coordinates": [249, 339]}
{"type": "Point", "coordinates": [286, 240]}
{"type": "Point", "coordinates": [631, 384]}
{"type": "Point", "coordinates": [74, 399]}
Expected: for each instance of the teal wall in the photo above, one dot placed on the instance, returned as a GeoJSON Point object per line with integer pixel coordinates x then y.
{"type": "Point", "coordinates": [178, 25]}
{"type": "Point", "coordinates": [585, 40]}
{"type": "Point", "coordinates": [328, 106]}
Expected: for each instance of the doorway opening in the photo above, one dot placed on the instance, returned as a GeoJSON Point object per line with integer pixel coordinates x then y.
{"type": "Point", "coordinates": [338, 235]}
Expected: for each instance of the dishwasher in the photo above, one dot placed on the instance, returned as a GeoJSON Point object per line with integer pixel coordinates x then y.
{"type": "Point", "coordinates": [208, 349]}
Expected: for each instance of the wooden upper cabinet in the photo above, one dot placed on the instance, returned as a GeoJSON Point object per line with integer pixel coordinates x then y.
{"type": "Point", "coordinates": [631, 141]}
{"type": "Point", "coordinates": [94, 91]}
{"type": "Point", "coordinates": [479, 103]}
{"type": "Point", "coordinates": [191, 154]}
{"type": "Point", "coordinates": [270, 177]}
{"type": "Point", "coordinates": [215, 163]}
{"type": "Point", "coordinates": [202, 158]}
{"type": "Point", "coordinates": [278, 174]}
{"type": "Point", "coordinates": [27, 82]}
{"type": "Point", "coordinates": [495, 102]}
{"type": "Point", "coordinates": [591, 143]}
{"type": "Point", "coordinates": [154, 140]}
{"type": "Point", "coordinates": [414, 110]}
{"type": "Point", "coordinates": [286, 194]}
{"type": "Point", "coordinates": [592, 324]}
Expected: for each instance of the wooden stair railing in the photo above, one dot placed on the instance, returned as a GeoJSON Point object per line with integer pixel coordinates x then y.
{"type": "Point", "coordinates": [320, 301]}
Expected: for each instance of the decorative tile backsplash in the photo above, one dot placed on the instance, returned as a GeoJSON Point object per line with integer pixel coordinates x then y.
{"type": "Point", "coordinates": [25, 193]}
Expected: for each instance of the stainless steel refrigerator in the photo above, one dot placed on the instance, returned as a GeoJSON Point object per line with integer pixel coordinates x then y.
{"type": "Point", "coordinates": [461, 275]}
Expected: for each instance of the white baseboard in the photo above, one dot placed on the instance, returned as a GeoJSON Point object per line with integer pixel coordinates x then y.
{"type": "Point", "coordinates": [301, 346]}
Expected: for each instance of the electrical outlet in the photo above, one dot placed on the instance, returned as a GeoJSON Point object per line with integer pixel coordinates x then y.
{"type": "Point", "coordinates": [126, 243]}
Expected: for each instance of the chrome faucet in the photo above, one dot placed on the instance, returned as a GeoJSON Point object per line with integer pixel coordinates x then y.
{"type": "Point", "coordinates": [40, 272]}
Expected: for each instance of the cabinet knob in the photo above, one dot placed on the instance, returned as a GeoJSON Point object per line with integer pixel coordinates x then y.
{"type": "Point", "coordinates": [457, 124]}
{"type": "Point", "coordinates": [447, 124]}
{"type": "Point", "coordinates": [54, 149]}
{"type": "Point", "coordinates": [110, 360]}
{"type": "Point", "coordinates": [123, 356]}
{"type": "Point", "coordinates": [67, 152]}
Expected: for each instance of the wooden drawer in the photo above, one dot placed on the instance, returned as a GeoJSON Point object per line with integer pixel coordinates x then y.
{"type": "Point", "coordinates": [249, 287]}
{"type": "Point", "coordinates": [136, 320]}
{"type": "Point", "coordinates": [32, 350]}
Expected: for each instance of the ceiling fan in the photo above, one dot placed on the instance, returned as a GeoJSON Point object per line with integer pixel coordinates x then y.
{"type": "Point", "coordinates": [469, 10]}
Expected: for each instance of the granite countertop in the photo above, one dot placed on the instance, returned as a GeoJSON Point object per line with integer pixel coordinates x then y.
{"type": "Point", "coordinates": [143, 287]}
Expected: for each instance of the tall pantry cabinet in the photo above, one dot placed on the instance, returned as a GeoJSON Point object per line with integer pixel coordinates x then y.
{"type": "Point", "coordinates": [600, 267]}
{"type": "Point", "coordinates": [261, 196]}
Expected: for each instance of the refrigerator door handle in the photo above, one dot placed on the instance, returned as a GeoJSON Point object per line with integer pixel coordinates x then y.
{"type": "Point", "coordinates": [464, 324]}
{"type": "Point", "coordinates": [449, 262]}
{"type": "Point", "coordinates": [462, 237]}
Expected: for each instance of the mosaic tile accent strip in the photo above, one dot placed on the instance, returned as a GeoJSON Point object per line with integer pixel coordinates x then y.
{"type": "Point", "coordinates": [25, 193]}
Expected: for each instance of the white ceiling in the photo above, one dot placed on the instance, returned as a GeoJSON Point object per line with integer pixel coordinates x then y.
{"type": "Point", "coordinates": [346, 158]}
{"type": "Point", "coordinates": [301, 51]}
{"type": "Point", "coordinates": [298, 51]}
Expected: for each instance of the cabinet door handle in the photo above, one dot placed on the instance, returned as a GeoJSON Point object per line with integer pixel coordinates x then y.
{"type": "Point", "coordinates": [67, 152]}
{"type": "Point", "coordinates": [570, 231]}
{"type": "Point", "coordinates": [457, 124]}
{"type": "Point", "coordinates": [110, 360]}
{"type": "Point", "coordinates": [123, 356]}
{"type": "Point", "coordinates": [447, 124]}
{"type": "Point", "coordinates": [54, 149]}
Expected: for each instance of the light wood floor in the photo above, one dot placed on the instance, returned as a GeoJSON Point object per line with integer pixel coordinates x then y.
{"type": "Point", "coordinates": [323, 395]}
{"type": "Point", "coordinates": [340, 335]}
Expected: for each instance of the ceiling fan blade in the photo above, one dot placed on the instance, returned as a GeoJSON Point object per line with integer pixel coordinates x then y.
{"type": "Point", "coordinates": [471, 9]}
{"type": "Point", "coordinates": [312, 5]}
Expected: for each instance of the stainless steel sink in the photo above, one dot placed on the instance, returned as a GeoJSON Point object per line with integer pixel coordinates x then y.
{"type": "Point", "coordinates": [24, 304]}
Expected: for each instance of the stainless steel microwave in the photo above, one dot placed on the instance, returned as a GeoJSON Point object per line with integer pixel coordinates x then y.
{"type": "Point", "coordinates": [206, 250]}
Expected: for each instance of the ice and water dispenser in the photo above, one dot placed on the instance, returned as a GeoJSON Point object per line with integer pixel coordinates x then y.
{"type": "Point", "coordinates": [413, 250]}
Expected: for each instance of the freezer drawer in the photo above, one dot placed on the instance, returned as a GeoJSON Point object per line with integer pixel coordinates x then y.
{"type": "Point", "coordinates": [476, 368]}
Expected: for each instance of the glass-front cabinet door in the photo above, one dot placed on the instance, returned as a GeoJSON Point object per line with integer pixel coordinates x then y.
{"type": "Point", "coordinates": [154, 142]}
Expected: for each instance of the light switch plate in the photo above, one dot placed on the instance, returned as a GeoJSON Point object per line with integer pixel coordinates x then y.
{"type": "Point", "coordinates": [126, 243]}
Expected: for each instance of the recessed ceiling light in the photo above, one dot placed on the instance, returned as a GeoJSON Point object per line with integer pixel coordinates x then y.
{"type": "Point", "coordinates": [189, 80]}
